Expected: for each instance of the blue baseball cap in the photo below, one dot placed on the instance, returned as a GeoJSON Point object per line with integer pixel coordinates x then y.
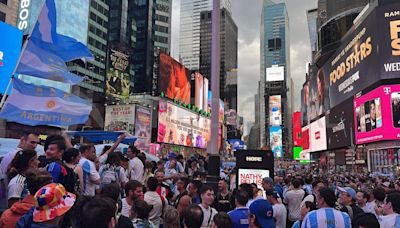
{"type": "Point", "coordinates": [262, 209]}
{"type": "Point", "coordinates": [349, 191]}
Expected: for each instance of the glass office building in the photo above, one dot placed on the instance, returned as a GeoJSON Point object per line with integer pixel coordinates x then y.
{"type": "Point", "coordinates": [189, 43]}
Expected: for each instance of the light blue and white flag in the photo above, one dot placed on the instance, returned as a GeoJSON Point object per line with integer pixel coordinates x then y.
{"type": "Point", "coordinates": [45, 36]}
{"type": "Point", "coordinates": [39, 105]}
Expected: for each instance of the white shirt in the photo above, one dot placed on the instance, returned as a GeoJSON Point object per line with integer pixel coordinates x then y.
{"type": "Point", "coordinates": [90, 175]}
{"type": "Point", "coordinates": [17, 188]}
{"type": "Point", "coordinates": [155, 216]}
{"type": "Point", "coordinates": [137, 169]}
{"type": "Point", "coordinates": [388, 221]}
{"type": "Point", "coordinates": [293, 199]}
{"type": "Point", "coordinates": [280, 214]}
{"type": "Point", "coordinates": [208, 216]}
{"type": "Point", "coordinates": [369, 207]}
{"type": "Point", "coordinates": [126, 208]}
{"type": "Point", "coordinates": [7, 159]}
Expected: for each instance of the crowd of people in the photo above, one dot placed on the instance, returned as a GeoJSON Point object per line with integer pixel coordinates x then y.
{"type": "Point", "coordinates": [73, 187]}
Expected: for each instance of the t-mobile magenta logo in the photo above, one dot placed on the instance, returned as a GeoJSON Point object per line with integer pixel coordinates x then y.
{"type": "Point", "coordinates": [386, 90]}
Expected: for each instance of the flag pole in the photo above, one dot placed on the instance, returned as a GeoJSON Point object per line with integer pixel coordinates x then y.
{"type": "Point", "coordinates": [3, 99]}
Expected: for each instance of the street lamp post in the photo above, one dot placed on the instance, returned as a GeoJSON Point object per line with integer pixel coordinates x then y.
{"type": "Point", "coordinates": [212, 149]}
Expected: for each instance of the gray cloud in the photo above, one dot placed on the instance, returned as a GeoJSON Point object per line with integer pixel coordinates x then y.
{"type": "Point", "coordinates": [247, 15]}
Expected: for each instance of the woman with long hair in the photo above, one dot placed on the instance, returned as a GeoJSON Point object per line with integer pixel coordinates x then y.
{"type": "Point", "coordinates": [24, 161]}
{"type": "Point", "coordinates": [112, 172]}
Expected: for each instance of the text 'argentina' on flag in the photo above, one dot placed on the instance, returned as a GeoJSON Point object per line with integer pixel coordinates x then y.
{"type": "Point", "coordinates": [40, 105]}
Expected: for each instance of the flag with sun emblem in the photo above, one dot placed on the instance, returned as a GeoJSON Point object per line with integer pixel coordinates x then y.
{"type": "Point", "coordinates": [40, 105]}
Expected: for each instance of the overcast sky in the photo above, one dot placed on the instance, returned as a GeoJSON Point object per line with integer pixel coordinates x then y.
{"type": "Point", "coordinates": [247, 15]}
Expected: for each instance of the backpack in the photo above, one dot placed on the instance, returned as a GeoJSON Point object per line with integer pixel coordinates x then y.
{"type": "Point", "coordinates": [109, 174]}
{"type": "Point", "coordinates": [69, 179]}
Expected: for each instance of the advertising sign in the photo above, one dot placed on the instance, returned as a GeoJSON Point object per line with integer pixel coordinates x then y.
{"type": "Point", "coordinates": [236, 144]}
{"type": "Point", "coordinates": [143, 128]}
{"type": "Point", "coordinates": [249, 176]}
{"type": "Point", "coordinates": [377, 115]}
{"type": "Point", "coordinates": [275, 135]}
{"type": "Point", "coordinates": [300, 155]}
{"type": "Point", "coordinates": [297, 129]}
{"type": "Point", "coordinates": [275, 110]}
{"type": "Point", "coordinates": [254, 165]}
{"type": "Point", "coordinates": [120, 118]}
{"type": "Point", "coordinates": [305, 104]}
{"type": "Point", "coordinates": [275, 73]}
{"type": "Point", "coordinates": [199, 89]}
{"type": "Point", "coordinates": [180, 126]}
{"type": "Point", "coordinates": [340, 125]}
{"type": "Point", "coordinates": [174, 79]}
{"type": "Point", "coordinates": [207, 96]}
{"type": "Point", "coordinates": [118, 83]}
{"type": "Point", "coordinates": [231, 117]}
{"type": "Point", "coordinates": [318, 100]}
{"type": "Point", "coordinates": [10, 48]}
{"type": "Point", "coordinates": [318, 135]}
{"type": "Point", "coordinates": [305, 138]}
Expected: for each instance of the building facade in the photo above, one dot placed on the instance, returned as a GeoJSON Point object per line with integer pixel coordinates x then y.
{"type": "Point", "coordinates": [9, 11]}
{"type": "Point", "coordinates": [162, 37]}
{"type": "Point", "coordinates": [189, 38]}
{"type": "Point", "coordinates": [228, 54]}
{"type": "Point", "coordinates": [274, 52]}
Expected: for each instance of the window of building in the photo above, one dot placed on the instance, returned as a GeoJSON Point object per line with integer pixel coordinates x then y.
{"type": "Point", "coordinates": [2, 16]}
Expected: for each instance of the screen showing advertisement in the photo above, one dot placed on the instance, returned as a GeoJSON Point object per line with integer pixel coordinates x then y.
{"type": "Point", "coordinates": [275, 135]}
{"type": "Point", "coordinates": [10, 48]}
{"type": "Point", "coordinates": [305, 104]}
{"type": "Point", "coordinates": [231, 117]}
{"type": "Point", "coordinates": [180, 126]}
{"type": "Point", "coordinates": [174, 79]}
{"type": "Point", "coordinates": [376, 115]}
{"type": "Point", "coordinates": [305, 138]}
{"type": "Point", "coordinates": [117, 84]}
{"type": "Point", "coordinates": [275, 110]}
{"type": "Point", "coordinates": [143, 128]}
{"type": "Point", "coordinates": [275, 73]}
{"type": "Point", "coordinates": [300, 155]}
{"type": "Point", "coordinates": [318, 102]}
{"type": "Point", "coordinates": [221, 115]}
{"type": "Point", "coordinates": [199, 90]}
{"type": "Point", "coordinates": [120, 118]}
{"type": "Point", "coordinates": [339, 121]}
{"type": "Point", "coordinates": [248, 176]}
{"type": "Point", "coordinates": [318, 135]}
{"type": "Point", "coordinates": [297, 128]}
{"type": "Point", "coordinates": [207, 96]}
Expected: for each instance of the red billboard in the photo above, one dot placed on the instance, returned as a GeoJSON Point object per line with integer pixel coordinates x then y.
{"type": "Point", "coordinates": [377, 115]}
{"type": "Point", "coordinates": [174, 79]}
{"type": "Point", "coordinates": [297, 129]}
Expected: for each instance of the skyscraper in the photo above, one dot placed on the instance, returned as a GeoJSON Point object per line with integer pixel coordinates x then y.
{"type": "Point", "coordinates": [228, 54]}
{"type": "Point", "coordinates": [162, 37]}
{"type": "Point", "coordinates": [9, 11]}
{"type": "Point", "coordinates": [189, 38]}
{"type": "Point", "coordinates": [274, 51]}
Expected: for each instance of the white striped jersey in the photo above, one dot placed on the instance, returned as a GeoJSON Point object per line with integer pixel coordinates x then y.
{"type": "Point", "coordinates": [326, 218]}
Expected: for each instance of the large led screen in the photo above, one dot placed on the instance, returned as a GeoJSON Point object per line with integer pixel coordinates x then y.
{"type": "Point", "coordinates": [174, 79]}
{"type": "Point", "coordinates": [340, 125]}
{"type": "Point", "coordinates": [120, 118]}
{"type": "Point", "coordinates": [377, 115]}
{"type": "Point", "coordinates": [117, 84]}
{"type": "Point", "coordinates": [276, 73]}
{"type": "Point", "coordinates": [297, 129]}
{"type": "Point", "coordinates": [180, 126]}
{"type": "Point", "coordinates": [143, 128]}
{"type": "Point", "coordinates": [275, 134]}
{"type": "Point", "coordinates": [275, 110]}
{"type": "Point", "coordinates": [318, 135]}
{"type": "Point", "coordinates": [199, 90]}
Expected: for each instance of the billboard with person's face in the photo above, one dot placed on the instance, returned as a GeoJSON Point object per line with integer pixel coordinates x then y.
{"type": "Point", "coordinates": [118, 83]}
{"type": "Point", "coordinates": [275, 110]}
{"type": "Point", "coordinates": [174, 79]}
{"type": "Point", "coordinates": [275, 134]}
{"type": "Point", "coordinates": [377, 115]}
{"type": "Point", "coordinates": [183, 127]}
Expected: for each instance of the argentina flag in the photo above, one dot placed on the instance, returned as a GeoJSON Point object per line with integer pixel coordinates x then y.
{"type": "Point", "coordinates": [40, 105]}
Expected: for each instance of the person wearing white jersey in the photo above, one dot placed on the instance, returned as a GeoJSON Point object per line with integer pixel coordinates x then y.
{"type": "Point", "coordinates": [391, 211]}
{"type": "Point", "coordinates": [326, 216]}
{"type": "Point", "coordinates": [135, 164]}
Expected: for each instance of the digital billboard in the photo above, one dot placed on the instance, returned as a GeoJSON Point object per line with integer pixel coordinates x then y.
{"type": "Point", "coordinates": [120, 118]}
{"type": "Point", "coordinates": [318, 135]}
{"type": "Point", "coordinates": [318, 100]}
{"type": "Point", "coordinates": [180, 126]}
{"type": "Point", "coordinates": [249, 176]}
{"type": "Point", "coordinates": [275, 135]}
{"type": "Point", "coordinates": [275, 73]}
{"type": "Point", "coordinates": [10, 48]}
{"type": "Point", "coordinates": [275, 110]}
{"type": "Point", "coordinates": [118, 83]}
{"type": "Point", "coordinates": [377, 115]}
{"type": "Point", "coordinates": [198, 89]}
{"type": "Point", "coordinates": [305, 138]}
{"type": "Point", "coordinates": [305, 104]}
{"type": "Point", "coordinates": [297, 128]}
{"type": "Point", "coordinates": [143, 128]}
{"type": "Point", "coordinates": [174, 79]}
{"type": "Point", "coordinates": [339, 122]}
{"type": "Point", "coordinates": [207, 96]}
{"type": "Point", "coordinates": [231, 117]}
{"type": "Point", "coordinates": [300, 155]}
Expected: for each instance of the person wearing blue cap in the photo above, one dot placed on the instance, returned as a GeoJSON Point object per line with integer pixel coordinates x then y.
{"type": "Point", "coordinates": [261, 214]}
{"type": "Point", "coordinates": [347, 197]}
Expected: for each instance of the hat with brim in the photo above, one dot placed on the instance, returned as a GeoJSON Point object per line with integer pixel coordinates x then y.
{"type": "Point", "coordinates": [52, 201]}
{"type": "Point", "coordinates": [349, 191]}
{"type": "Point", "coordinates": [263, 211]}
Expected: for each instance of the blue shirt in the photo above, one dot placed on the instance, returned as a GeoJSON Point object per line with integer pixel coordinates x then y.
{"type": "Point", "coordinates": [240, 217]}
{"type": "Point", "coordinates": [297, 224]}
{"type": "Point", "coordinates": [326, 218]}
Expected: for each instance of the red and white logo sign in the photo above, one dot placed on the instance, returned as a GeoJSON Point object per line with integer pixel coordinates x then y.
{"type": "Point", "coordinates": [317, 135]}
